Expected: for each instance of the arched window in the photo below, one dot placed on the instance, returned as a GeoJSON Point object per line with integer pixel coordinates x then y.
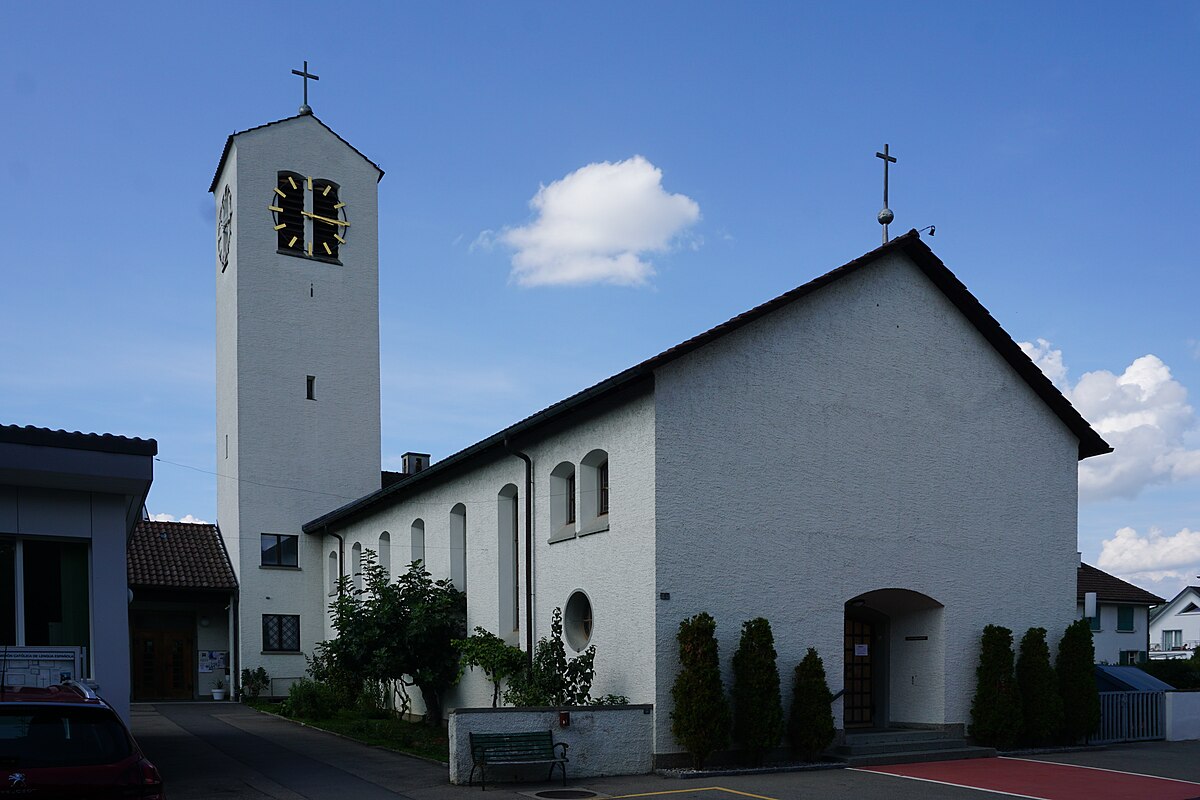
{"type": "Point", "coordinates": [458, 546]}
{"type": "Point", "coordinates": [334, 572]}
{"type": "Point", "coordinates": [385, 552]}
{"type": "Point", "coordinates": [562, 502]}
{"type": "Point", "coordinates": [593, 492]}
{"type": "Point", "coordinates": [507, 560]}
{"type": "Point", "coordinates": [418, 542]}
{"type": "Point", "coordinates": [356, 565]}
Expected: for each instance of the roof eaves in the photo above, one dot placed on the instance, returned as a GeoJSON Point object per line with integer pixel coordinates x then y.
{"type": "Point", "coordinates": [77, 440]}
{"type": "Point", "coordinates": [212, 187]}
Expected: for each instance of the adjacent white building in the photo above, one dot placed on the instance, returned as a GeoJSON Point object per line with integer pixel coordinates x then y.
{"type": "Point", "coordinates": [869, 461]}
{"type": "Point", "coordinates": [1120, 624]}
{"type": "Point", "coordinates": [1175, 626]}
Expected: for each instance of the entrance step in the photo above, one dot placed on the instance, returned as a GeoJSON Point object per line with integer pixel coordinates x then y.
{"type": "Point", "coordinates": [905, 747]}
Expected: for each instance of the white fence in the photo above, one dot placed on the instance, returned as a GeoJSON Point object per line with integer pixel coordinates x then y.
{"type": "Point", "coordinates": [1131, 717]}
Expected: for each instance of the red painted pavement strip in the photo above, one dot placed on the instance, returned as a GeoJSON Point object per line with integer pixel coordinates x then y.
{"type": "Point", "coordinates": [1044, 780]}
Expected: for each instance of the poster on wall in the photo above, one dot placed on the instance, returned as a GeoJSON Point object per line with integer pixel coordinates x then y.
{"type": "Point", "coordinates": [206, 664]}
{"type": "Point", "coordinates": [214, 660]}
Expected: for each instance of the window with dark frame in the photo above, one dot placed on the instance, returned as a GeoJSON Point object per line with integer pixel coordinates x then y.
{"type": "Point", "coordinates": [311, 387]}
{"type": "Point", "coordinates": [1094, 622]}
{"type": "Point", "coordinates": [602, 489]}
{"type": "Point", "coordinates": [281, 633]}
{"type": "Point", "coordinates": [571, 498]}
{"type": "Point", "coordinates": [280, 550]}
{"type": "Point", "coordinates": [1125, 619]}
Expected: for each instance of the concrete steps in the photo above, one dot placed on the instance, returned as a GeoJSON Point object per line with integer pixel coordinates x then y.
{"type": "Point", "coordinates": [900, 746]}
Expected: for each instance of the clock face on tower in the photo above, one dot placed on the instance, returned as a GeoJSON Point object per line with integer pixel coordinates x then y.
{"type": "Point", "coordinates": [308, 216]}
{"type": "Point", "coordinates": [224, 228]}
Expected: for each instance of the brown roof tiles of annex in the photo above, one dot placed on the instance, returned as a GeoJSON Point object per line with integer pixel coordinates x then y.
{"type": "Point", "coordinates": [179, 555]}
{"type": "Point", "coordinates": [1111, 588]}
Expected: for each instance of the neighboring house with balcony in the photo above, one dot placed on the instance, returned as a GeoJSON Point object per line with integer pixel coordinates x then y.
{"type": "Point", "coordinates": [1175, 627]}
{"type": "Point", "coordinates": [1120, 628]}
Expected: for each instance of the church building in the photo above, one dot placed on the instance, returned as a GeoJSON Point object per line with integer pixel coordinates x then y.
{"type": "Point", "coordinates": [869, 461]}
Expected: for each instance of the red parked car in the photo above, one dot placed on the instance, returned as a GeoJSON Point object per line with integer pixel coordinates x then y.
{"type": "Point", "coordinates": [66, 742]}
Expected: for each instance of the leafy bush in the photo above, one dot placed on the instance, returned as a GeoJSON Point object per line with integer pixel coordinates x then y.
{"type": "Point", "coordinates": [498, 660]}
{"type": "Point", "coordinates": [610, 700]}
{"type": "Point", "coordinates": [810, 726]}
{"type": "Point", "coordinates": [1077, 681]}
{"type": "Point", "coordinates": [700, 719]}
{"type": "Point", "coordinates": [254, 683]}
{"type": "Point", "coordinates": [996, 709]}
{"type": "Point", "coordinates": [1041, 704]}
{"type": "Point", "coordinates": [1182, 673]}
{"type": "Point", "coordinates": [553, 680]}
{"type": "Point", "coordinates": [308, 699]}
{"type": "Point", "coordinates": [757, 709]}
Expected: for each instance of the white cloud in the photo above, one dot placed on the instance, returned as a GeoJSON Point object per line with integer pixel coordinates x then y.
{"type": "Point", "coordinates": [1143, 413]}
{"type": "Point", "coordinates": [188, 518]}
{"type": "Point", "coordinates": [595, 225]}
{"type": "Point", "coordinates": [1163, 564]}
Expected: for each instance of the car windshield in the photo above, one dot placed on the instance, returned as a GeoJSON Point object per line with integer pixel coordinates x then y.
{"type": "Point", "coordinates": [60, 736]}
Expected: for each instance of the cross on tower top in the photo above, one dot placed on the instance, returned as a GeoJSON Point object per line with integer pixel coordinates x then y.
{"type": "Point", "coordinates": [886, 215]}
{"type": "Point", "coordinates": [305, 109]}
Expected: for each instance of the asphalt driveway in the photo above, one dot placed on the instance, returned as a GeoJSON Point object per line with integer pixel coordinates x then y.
{"type": "Point", "coordinates": [225, 750]}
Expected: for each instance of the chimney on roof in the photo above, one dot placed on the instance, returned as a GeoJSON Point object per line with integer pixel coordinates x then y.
{"type": "Point", "coordinates": [414, 462]}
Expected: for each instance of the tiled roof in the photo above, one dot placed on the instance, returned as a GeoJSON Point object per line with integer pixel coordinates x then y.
{"type": "Point", "coordinates": [76, 440]}
{"type": "Point", "coordinates": [1109, 587]}
{"type": "Point", "coordinates": [910, 244]}
{"type": "Point", "coordinates": [179, 555]}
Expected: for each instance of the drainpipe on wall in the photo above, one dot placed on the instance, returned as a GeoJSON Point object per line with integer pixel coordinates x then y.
{"type": "Point", "coordinates": [528, 549]}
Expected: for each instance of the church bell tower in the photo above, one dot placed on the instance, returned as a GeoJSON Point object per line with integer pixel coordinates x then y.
{"type": "Point", "coordinates": [297, 279]}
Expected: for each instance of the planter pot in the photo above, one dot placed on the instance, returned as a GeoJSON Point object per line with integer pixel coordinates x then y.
{"type": "Point", "coordinates": [218, 694]}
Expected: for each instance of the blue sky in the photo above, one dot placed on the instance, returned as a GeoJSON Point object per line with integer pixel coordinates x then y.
{"type": "Point", "coordinates": [1053, 146]}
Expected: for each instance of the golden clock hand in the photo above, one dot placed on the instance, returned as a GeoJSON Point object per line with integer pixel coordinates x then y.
{"type": "Point", "coordinates": [326, 219]}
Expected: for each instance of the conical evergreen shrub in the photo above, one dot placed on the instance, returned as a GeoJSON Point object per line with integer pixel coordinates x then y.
{"type": "Point", "coordinates": [757, 709]}
{"type": "Point", "coordinates": [1041, 704]}
{"type": "Point", "coordinates": [1077, 682]}
{"type": "Point", "coordinates": [810, 726]}
{"type": "Point", "coordinates": [700, 719]}
{"type": "Point", "coordinates": [996, 709]}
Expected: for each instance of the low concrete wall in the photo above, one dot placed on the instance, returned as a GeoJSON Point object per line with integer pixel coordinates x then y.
{"type": "Point", "coordinates": [604, 740]}
{"type": "Point", "coordinates": [1183, 716]}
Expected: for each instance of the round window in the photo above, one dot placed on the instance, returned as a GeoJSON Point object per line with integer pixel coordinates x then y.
{"type": "Point", "coordinates": [577, 621]}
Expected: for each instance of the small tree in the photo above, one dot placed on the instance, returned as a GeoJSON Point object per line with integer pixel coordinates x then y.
{"type": "Point", "coordinates": [1077, 681]}
{"type": "Point", "coordinates": [553, 680]}
{"type": "Point", "coordinates": [1041, 704]}
{"type": "Point", "coordinates": [436, 616]}
{"type": "Point", "coordinates": [700, 720]}
{"type": "Point", "coordinates": [498, 660]}
{"type": "Point", "coordinates": [757, 710]}
{"type": "Point", "coordinates": [996, 709]}
{"type": "Point", "coordinates": [810, 726]}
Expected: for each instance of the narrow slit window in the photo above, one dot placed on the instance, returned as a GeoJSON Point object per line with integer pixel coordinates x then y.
{"type": "Point", "coordinates": [311, 387]}
{"type": "Point", "coordinates": [571, 498]}
{"type": "Point", "coordinates": [602, 489]}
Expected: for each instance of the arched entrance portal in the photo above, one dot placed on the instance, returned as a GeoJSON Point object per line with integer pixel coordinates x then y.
{"type": "Point", "coordinates": [894, 660]}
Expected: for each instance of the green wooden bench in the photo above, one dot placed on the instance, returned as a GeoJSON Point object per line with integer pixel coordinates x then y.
{"type": "Point", "coordinates": [513, 749]}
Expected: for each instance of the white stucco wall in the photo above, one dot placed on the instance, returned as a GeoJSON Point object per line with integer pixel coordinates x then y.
{"type": "Point", "coordinates": [614, 567]}
{"type": "Point", "coordinates": [1183, 716]}
{"type": "Point", "coordinates": [1108, 641]}
{"type": "Point", "coordinates": [864, 437]}
{"type": "Point", "coordinates": [279, 319]}
{"type": "Point", "coordinates": [602, 740]}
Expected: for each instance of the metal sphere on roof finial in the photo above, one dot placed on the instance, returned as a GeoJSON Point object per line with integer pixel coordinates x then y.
{"type": "Point", "coordinates": [305, 109]}
{"type": "Point", "coordinates": [886, 216]}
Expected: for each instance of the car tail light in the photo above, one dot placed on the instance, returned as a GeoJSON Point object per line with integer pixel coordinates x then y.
{"type": "Point", "coordinates": [144, 781]}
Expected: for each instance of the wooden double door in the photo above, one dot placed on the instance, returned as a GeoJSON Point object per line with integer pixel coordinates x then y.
{"type": "Point", "coordinates": [859, 700]}
{"type": "Point", "coordinates": [162, 662]}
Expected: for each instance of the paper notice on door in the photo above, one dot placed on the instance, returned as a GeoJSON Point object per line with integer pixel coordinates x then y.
{"type": "Point", "coordinates": [860, 650]}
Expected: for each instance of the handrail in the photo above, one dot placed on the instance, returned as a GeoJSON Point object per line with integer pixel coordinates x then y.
{"type": "Point", "coordinates": [840, 692]}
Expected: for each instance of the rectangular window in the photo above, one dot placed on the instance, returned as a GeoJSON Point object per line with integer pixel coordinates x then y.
{"type": "Point", "coordinates": [1125, 619]}
{"type": "Point", "coordinates": [280, 550]}
{"type": "Point", "coordinates": [55, 577]}
{"type": "Point", "coordinates": [1130, 658]}
{"type": "Point", "coordinates": [8, 591]}
{"type": "Point", "coordinates": [281, 633]}
{"type": "Point", "coordinates": [311, 387]}
{"type": "Point", "coordinates": [1172, 639]}
{"type": "Point", "coordinates": [571, 498]}
{"type": "Point", "coordinates": [602, 479]}
{"type": "Point", "coordinates": [1094, 622]}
